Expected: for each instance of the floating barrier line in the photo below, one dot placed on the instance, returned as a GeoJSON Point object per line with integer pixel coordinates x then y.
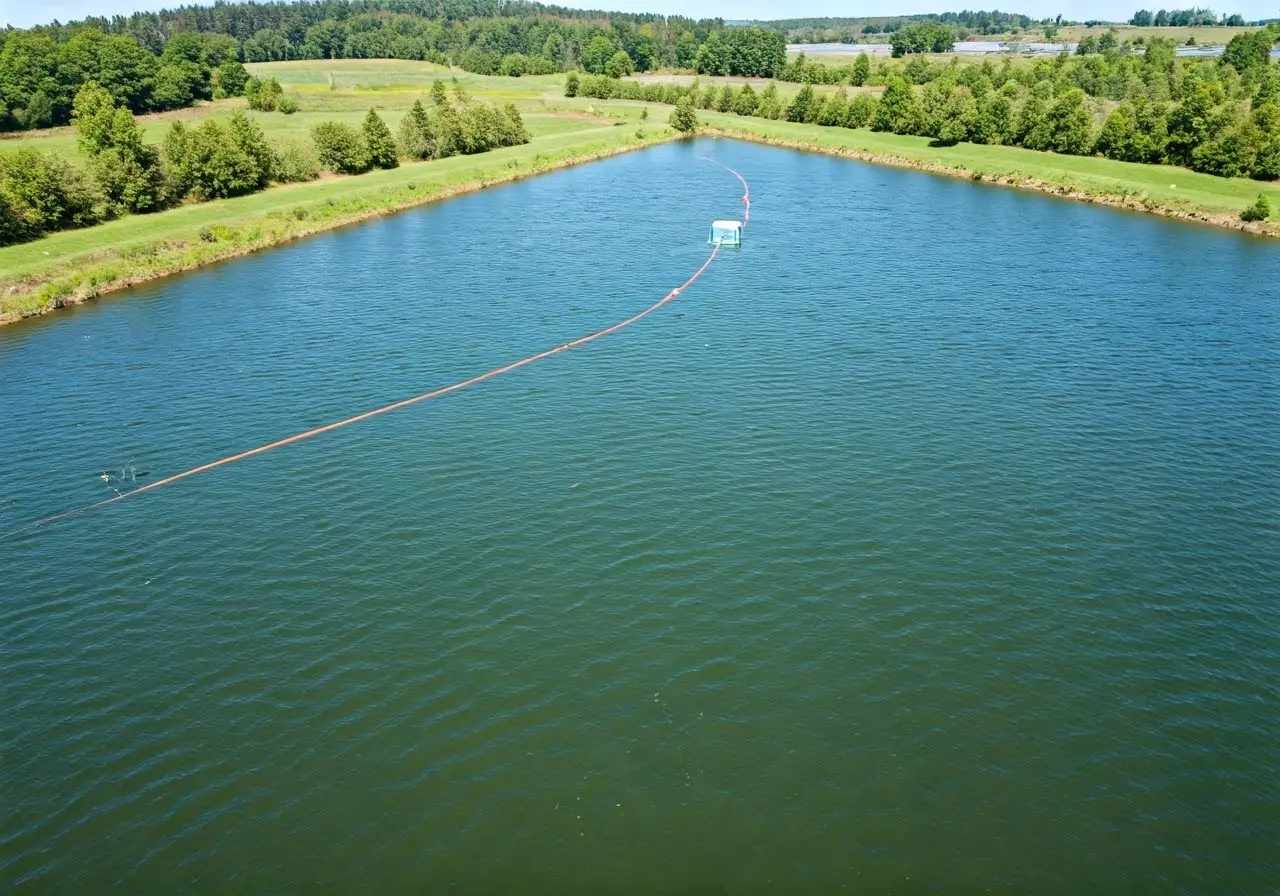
{"type": "Point", "coordinates": [435, 393]}
{"type": "Point", "coordinates": [746, 188]}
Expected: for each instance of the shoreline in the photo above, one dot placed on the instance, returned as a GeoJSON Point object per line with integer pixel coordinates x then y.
{"type": "Point", "coordinates": [94, 277]}
{"type": "Point", "coordinates": [256, 234]}
{"type": "Point", "coordinates": [1127, 202]}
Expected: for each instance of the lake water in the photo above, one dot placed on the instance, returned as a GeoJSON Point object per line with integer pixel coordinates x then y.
{"type": "Point", "coordinates": [931, 541]}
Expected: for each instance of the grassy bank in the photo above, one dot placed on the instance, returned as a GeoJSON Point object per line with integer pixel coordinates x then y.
{"type": "Point", "coordinates": [71, 266]}
{"type": "Point", "coordinates": [1159, 189]}
{"type": "Point", "coordinates": [75, 265]}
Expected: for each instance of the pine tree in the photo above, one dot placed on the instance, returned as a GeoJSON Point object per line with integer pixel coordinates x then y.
{"type": "Point", "coordinates": [416, 136]}
{"type": "Point", "coordinates": [746, 102]}
{"type": "Point", "coordinates": [439, 98]}
{"type": "Point", "coordinates": [380, 143]}
{"type": "Point", "coordinates": [801, 107]}
{"type": "Point", "coordinates": [769, 105]}
{"type": "Point", "coordinates": [861, 70]}
{"type": "Point", "coordinates": [836, 111]}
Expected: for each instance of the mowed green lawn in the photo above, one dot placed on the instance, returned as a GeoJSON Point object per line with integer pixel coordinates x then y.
{"type": "Point", "coordinates": [1163, 184]}
{"type": "Point", "coordinates": [286, 127]}
{"type": "Point", "coordinates": [541, 102]}
{"type": "Point", "coordinates": [344, 75]}
{"type": "Point", "coordinates": [58, 251]}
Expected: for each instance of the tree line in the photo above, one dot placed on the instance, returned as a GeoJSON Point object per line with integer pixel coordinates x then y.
{"type": "Point", "coordinates": [1183, 18]}
{"type": "Point", "coordinates": [174, 58]}
{"type": "Point", "coordinates": [42, 68]}
{"type": "Point", "coordinates": [43, 192]}
{"type": "Point", "coordinates": [243, 20]}
{"type": "Point", "coordinates": [1219, 117]}
{"type": "Point", "coordinates": [40, 77]}
{"type": "Point", "coordinates": [852, 30]}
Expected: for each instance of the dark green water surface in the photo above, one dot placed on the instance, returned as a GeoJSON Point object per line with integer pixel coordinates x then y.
{"type": "Point", "coordinates": [930, 542]}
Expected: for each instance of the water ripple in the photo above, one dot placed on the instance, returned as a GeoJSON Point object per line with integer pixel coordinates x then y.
{"type": "Point", "coordinates": [893, 550]}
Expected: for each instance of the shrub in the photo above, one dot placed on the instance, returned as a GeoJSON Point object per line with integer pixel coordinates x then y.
{"type": "Point", "coordinates": [1259, 211]}
{"type": "Point", "coordinates": [862, 110]}
{"type": "Point", "coordinates": [619, 65]}
{"type": "Point", "coordinates": [176, 85]}
{"type": "Point", "coordinates": [288, 105]}
{"type": "Point", "coordinates": [802, 105]}
{"type": "Point", "coordinates": [294, 161]}
{"type": "Point", "coordinates": [215, 161]}
{"type": "Point", "coordinates": [571, 84]}
{"type": "Point", "coordinates": [898, 111]}
{"type": "Point", "coordinates": [263, 95]}
{"type": "Point", "coordinates": [1266, 119]}
{"type": "Point", "coordinates": [38, 113]}
{"type": "Point", "coordinates": [724, 99]}
{"type": "Point", "coordinates": [131, 181]}
{"type": "Point", "coordinates": [683, 118]}
{"type": "Point", "coordinates": [247, 137]}
{"type": "Point", "coordinates": [482, 127]}
{"type": "Point", "coordinates": [229, 79]}
{"type": "Point", "coordinates": [836, 111]}
{"type": "Point", "coordinates": [42, 193]}
{"type": "Point", "coordinates": [769, 105]}
{"type": "Point", "coordinates": [512, 131]}
{"type": "Point", "coordinates": [271, 95]}
{"type": "Point", "coordinates": [341, 148]}
{"type": "Point", "coordinates": [513, 65]}
{"type": "Point", "coordinates": [861, 70]}
{"type": "Point", "coordinates": [379, 142]}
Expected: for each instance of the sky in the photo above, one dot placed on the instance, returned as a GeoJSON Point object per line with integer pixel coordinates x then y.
{"type": "Point", "coordinates": [24, 13]}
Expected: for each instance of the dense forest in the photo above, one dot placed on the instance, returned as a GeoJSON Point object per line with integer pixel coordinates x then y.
{"type": "Point", "coordinates": [864, 28]}
{"type": "Point", "coordinates": [1218, 116]}
{"type": "Point", "coordinates": [972, 24]}
{"type": "Point", "coordinates": [168, 59]}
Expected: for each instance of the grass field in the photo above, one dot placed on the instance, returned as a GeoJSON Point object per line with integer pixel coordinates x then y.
{"type": "Point", "coordinates": [1163, 185]}
{"type": "Point", "coordinates": [72, 265]}
{"type": "Point", "coordinates": [390, 86]}
{"type": "Point", "coordinates": [137, 235]}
